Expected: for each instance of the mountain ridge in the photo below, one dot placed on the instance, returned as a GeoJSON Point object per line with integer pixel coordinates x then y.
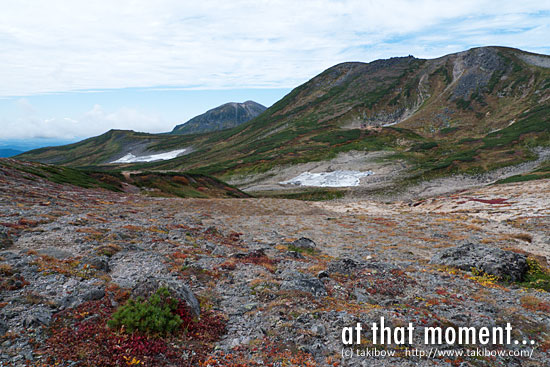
{"type": "Point", "coordinates": [466, 112]}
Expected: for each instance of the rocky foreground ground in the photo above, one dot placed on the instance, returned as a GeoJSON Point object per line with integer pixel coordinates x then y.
{"type": "Point", "coordinates": [276, 280]}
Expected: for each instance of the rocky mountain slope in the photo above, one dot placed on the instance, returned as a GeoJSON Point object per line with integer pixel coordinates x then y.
{"type": "Point", "coordinates": [222, 117]}
{"type": "Point", "coordinates": [275, 281]}
{"type": "Point", "coordinates": [165, 184]}
{"type": "Point", "coordinates": [468, 112]}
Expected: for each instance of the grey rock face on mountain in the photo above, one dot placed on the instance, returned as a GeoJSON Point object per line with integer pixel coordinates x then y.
{"type": "Point", "coordinates": [474, 69]}
{"type": "Point", "coordinates": [494, 261]}
{"type": "Point", "coordinates": [223, 117]}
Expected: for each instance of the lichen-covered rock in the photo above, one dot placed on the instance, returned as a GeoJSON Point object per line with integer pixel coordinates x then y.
{"type": "Point", "coordinates": [38, 317]}
{"type": "Point", "coordinates": [344, 266]}
{"type": "Point", "coordinates": [491, 260]}
{"type": "Point", "coordinates": [55, 253]}
{"type": "Point", "coordinates": [294, 254]}
{"type": "Point", "coordinates": [93, 294]}
{"type": "Point", "coordinates": [100, 263]}
{"type": "Point", "coordinates": [5, 240]}
{"type": "Point", "coordinates": [302, 282]}
{"type": "Point", "coordinates": [304, 243]}
{"type": "Point", "coordinates": [3, 327]}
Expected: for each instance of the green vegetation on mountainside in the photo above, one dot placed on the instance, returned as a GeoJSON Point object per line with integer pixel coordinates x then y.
{"type": "Point", "coordinates": [468, 112]}
{"type": "Point", "coordinates": [153, 183]}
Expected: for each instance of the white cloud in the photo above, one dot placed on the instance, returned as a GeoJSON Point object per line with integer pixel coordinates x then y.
{"type": "Point", "coordinates": [62, 45]}
{"type": "Point", "coordinates": [29, 124]}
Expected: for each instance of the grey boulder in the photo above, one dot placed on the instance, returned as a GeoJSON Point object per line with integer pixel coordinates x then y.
{"type": "Point", "coordinates": [302, 282]}
{"type": "Point", "coordinates": [37, 318]}
{"type": "Point", "coordinates": [5, 240]}
{"type": "Point", "coordinates": [304, 244]}
{"type": "Point", "coordinates": [344, 266]}
{"type": "Point", "coordinates": [100, 263]}
{"type": "Point", "coordinates": [506, 265]}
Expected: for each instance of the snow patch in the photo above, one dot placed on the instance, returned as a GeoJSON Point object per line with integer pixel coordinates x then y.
{"type": "Point", "coordinates": [328, 179]}
{"type": "Point", "coordinates": [130, 158]}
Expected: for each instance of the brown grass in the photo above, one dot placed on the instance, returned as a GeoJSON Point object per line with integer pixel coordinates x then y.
{"type": "Point", "coordinates": [522, 237]}
{"type": "Point", "coordinates": [533, 303]}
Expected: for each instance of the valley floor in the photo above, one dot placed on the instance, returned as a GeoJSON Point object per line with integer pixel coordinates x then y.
{"type": "Point", "coordinates": [67, 248]}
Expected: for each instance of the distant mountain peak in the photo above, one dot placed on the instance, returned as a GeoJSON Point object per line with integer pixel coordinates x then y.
{"type": "Point", "coordinates": [223, 117]}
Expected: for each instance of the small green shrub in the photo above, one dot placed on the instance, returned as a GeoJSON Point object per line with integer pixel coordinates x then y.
{"type": "Point", "coordinates": [448, 130]}
{"type": "Point", "coordinates": [301, 249]}
{"type": "Point", "coordinates": [463, 104]}
{"type": "Point", "coordinates": [153, 316]}
{"type": "Point", "coordinates": [536, 277]}
{"type": "Point", "coordinates": [522, 178]}
{"type": "Point", "coordinates": [424, 146]}
{"type": "Point", "coordinates": [306, 195]}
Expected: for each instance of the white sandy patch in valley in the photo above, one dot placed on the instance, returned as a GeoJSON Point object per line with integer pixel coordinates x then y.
{"type": "Point", "coordinates": [130, 158]}
{"type": "Point", "coordinates": [525, 199]}
{"type": "Point", "coordinates": [365, 207]}
{"type": "Point", "coordinates": [328, 179]}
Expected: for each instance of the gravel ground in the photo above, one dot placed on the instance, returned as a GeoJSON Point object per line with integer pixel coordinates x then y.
{"type": "Point", "coordinates": [284, 304]}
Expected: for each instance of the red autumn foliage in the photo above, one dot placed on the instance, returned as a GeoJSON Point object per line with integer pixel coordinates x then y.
{"type": "Point", "coordinates": [257, 257]}
{"type": "Point", "coordinates": [267, 354]}
{"type": "Point", "coordinates": [392, 283]}
{"type": "Point", "coordinates": [234, 236]}
{"type": "Point", "coordinates": [82, 335]}
{"type": "Point", "coordinates": [227, 265]}
{"type": "Point", "coordinates": [490, 201]}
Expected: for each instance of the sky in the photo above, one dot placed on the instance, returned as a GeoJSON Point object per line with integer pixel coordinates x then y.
{"type": "Point", "coordinates": [71, 69]}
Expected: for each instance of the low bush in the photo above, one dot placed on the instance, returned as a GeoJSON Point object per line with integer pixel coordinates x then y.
{"type": "Point", "coordinates": [153, 316]}
{"type": "Point", "coordinates": [81, 336]}
{"type": "Point", "coordinates": [537, 276]}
